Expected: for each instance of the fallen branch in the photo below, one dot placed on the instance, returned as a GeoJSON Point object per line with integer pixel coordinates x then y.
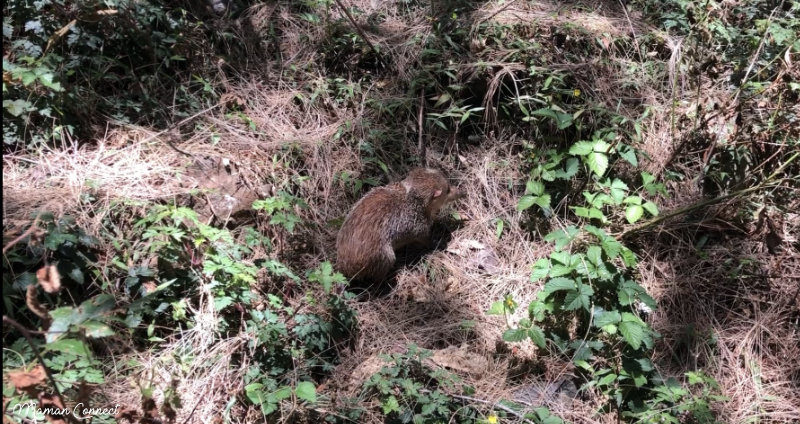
{"type": "Point", "coordinates": [766, 183]}
{"type": "Point", "coordinates": [360, 31]}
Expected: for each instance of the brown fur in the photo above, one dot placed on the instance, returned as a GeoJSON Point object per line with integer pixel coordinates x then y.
{"type": "Point", "coordinates": [388, 218]}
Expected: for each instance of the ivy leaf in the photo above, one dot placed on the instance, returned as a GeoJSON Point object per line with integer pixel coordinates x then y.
{"type": "Point", "coordinates": [633, 213]}
{"type": "Point", "coordinates": [306, 391]}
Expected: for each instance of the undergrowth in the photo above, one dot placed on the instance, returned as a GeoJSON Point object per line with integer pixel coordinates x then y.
{"type": "Point", "coordinates": [661, 120]}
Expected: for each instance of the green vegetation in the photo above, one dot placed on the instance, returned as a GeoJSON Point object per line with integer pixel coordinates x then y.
{"type": "Point", "coordinates": [175, 174]}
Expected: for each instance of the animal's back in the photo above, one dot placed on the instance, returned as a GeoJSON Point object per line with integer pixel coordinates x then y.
{"type": "Point", "coordinates": [388, 218]}
{"type": "Point", "coordinates": [361, 242]}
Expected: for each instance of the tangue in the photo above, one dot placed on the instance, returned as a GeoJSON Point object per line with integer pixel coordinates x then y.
{"type": "Point", "coordinates": [388, 218]}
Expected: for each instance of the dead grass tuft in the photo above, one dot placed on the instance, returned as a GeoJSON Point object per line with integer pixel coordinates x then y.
{"type": "Point", "coordinates": [63, 179]}
{"type": "Point", "coordinates": [194, 365]}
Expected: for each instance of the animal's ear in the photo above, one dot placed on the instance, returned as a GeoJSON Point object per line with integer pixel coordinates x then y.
{"type": "Point", "coordinates": [437, 193]}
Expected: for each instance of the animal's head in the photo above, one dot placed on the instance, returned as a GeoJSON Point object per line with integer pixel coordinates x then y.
{"type": "Point", "coordinates": [432, 187]}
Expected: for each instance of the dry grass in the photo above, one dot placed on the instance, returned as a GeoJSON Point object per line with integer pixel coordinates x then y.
{"type": "Point", "coordinates": [195, 365]}
{"type": "Point", "coordinates": [745, 336]}
{"type": "Point", "coordinates": [121, 166]}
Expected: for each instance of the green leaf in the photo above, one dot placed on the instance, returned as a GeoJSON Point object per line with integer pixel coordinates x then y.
{"type": "Point", "coordinates": [628, 153]}
{"type": "Point", "coordinates": [601, 146]}
{"type": "Point", "coordinates": [595, 213]}
{"type": "Point", "coordinates": [537, 335]}
{"type": "Point", "coordinates": [17, 107]}
{"type": "Point", "coordinates": [562, 237]}
{"type": "Point", "coordinates": [543, 201]}
{"type": "Point", "coordinates": [525, 202]}
{"type": "Point", "coordinates": [628, 257]}
{"type": "Point", "coordinates": [497, 308]}
{"type": "Point", "coordinates": [326, 276]}
{"type": "Point", "coordinates": [595, 254]}
{"type": "Point", "coordinates": [390, 405]}
{"type": "Point", "coordinates": [597, 162]}
{"type": "Point", "coordinates": [570, 169]}
{"type": "Point", "coordinates": [96, 329]}
{"type": "Point", "coordinates": [633, 213]}
{"type": "Point", "coordinates": [603, 318]}
{"type": "Point", "coordinates": [563, 120]}
{"type": "Point", "coordinates": [560, 270]}
{"type": "Point", "coordinates": [589, 213]}
{"type": "Point", "coordinates": [560, 257]}
{"type": "Point", "coordinates": [71, 346]}
{"type": "Point", "coordinates": [515, 334]}
{"type": "Point", "coordinates": [581, 148]}
{"type": "Point", "coordinates": [540, 269]}
{"type": "Point", "coordinates": [28, 78]}
{"type": "Point", "coordinates": [558, 284]}
{"type": "Point", "coordinates": [499, 228]}
{"type": "Point", "coordinates": [284, 392]}
{"type": "Point", "coordinates": [610, 328]}
{"type": "Point", "coordinates": [534, 187]}
{"type": "Point", "coordinates": [537, 310]}
{"type": "Point", "coordinates": [632, 200]}
{"type": "Point", "coordinates": [607, 379]}
{"type": "Point", "coordinates": [618, 190]}
{"type": "Point", "coordinates": [306, 391]}
{"type": "Point", "coordinates": [611, 247]}
{"type": "Point", "coordinates": [576, 299]}
{"type": "Point", "coordinates": [254, 393]}
{"type": "Point", "coordinates": [651, 208]}
{"type": "Point", "coordinates": [632, 330]}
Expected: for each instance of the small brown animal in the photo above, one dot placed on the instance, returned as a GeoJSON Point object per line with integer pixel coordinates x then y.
{"type": "Point", "coordinates": [388, 218]}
